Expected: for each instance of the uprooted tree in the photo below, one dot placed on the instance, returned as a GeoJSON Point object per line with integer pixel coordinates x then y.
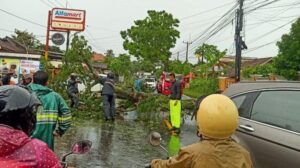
{"type": "Point", "coordinates": [78, 60]}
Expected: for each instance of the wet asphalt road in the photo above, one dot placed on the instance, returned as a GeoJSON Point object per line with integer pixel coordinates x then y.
{"type": "Point", "coordinates": [123, 144]}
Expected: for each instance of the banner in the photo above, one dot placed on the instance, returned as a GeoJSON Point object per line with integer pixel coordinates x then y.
{"type": "Point", "coordinates": [29, 67]}
{"type": "Point", "coordinates": [7, 65]}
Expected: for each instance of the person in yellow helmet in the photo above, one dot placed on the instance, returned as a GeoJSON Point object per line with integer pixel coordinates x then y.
{"type": "Point", "coordinates": [217, 120]}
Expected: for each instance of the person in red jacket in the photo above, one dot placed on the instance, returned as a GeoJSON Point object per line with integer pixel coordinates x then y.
{"type": "Point", "coordinates": [17, 120]}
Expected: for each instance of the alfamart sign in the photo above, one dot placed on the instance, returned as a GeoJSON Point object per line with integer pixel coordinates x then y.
{"type": "Point", "coordinates": [68, 19]}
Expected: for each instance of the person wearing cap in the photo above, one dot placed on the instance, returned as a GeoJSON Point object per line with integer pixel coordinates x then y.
{"type": "Point", "coordinates": [27, 79]}
{"type": "Point", "coordinates": [17, 119]}
{"type": "Point", "coordinates": [108, 97]}
{"type": "Point", "coordinates": [55, 118]}
{"type": "Point", "coordinates": [217, 120]}
{"type": "Point", "coordinates": [73, 90]}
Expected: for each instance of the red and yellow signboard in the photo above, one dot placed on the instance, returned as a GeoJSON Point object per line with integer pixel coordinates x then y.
{"type": "Point", "coordinates": [68, 19]}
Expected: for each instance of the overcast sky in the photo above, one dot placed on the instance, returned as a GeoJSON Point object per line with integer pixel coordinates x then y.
{"type": "Point", "coordinates": [106, 18]}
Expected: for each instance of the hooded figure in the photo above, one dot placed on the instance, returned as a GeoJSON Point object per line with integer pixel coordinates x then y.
{"type": "Point", "coordinates": [17, 119]}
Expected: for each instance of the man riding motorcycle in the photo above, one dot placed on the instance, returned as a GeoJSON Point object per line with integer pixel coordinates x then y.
{"type": "Point", "coordinates": [217, 120]}
{"type": "Point", "coordinates": [17, 120]}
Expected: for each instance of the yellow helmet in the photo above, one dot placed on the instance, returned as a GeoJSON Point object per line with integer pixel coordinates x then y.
{"type": "Point", "coordinates": [217, 117]}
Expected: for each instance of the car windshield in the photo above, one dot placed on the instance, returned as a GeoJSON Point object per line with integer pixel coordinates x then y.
{"type": "Point", "coordinates": [149, 80]}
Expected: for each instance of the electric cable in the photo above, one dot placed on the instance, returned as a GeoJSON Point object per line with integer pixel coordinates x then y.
{"type": "Point", "coordinates": [27, 20]}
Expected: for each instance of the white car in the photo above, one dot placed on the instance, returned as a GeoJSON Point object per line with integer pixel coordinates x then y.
{"type": "Point", "coordinates": [150, 82]}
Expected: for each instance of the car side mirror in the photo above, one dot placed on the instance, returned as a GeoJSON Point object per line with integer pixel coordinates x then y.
{"type": "Point", "coordinates": [155, 139]}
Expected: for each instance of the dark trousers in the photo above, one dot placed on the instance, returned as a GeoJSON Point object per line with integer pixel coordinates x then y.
{"type": "Point", "coordinates": [109, 106]}
{"type": "Point", "coordinates": [74, 100]}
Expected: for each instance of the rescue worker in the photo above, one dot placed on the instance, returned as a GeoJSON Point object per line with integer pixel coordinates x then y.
{"type": "Point", "coordinates": [175, 104]}
{"type": "Point", "coordinates": [54, 119]}
{"type": "Point", "coordinates": [17, 120]}
{"type": "Point", "coordinates": [107, 93]}
{"type": "Point", "coordinates": [217, 120]}
{"type": "Point", "coordinates": [73, 90]}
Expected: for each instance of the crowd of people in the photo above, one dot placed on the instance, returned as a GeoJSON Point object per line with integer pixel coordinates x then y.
{"type": "Point", "coordinates": [32, 115]}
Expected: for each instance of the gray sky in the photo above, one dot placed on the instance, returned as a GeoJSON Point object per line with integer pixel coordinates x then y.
{"type": "Point", "coordinates": [106, 18]}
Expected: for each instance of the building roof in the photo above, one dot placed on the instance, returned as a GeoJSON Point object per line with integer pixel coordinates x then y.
{"type": "Point", "coordinates": [11, 48]}
{"type": "Point", "coordinates": [230, 59]}
{"type": "Point", "coordinates": [250, 63]}
{"type": "Point", "coordinates": [97, 57]}
{"type": "Point", "coordinates": [8, 44]}
{"type": "Point", "coordinates": [256, 61]}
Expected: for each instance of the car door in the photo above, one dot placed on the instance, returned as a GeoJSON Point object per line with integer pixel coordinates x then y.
{"type": "Point", "coordinates": [269, 127]}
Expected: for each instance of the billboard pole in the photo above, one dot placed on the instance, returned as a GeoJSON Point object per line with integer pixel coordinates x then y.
{"type": "Point", "coordinates": [68, 40]}
{"type": "Point", "coordinates": [47, 36]}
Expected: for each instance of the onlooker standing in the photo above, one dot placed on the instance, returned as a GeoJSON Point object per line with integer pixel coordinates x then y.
{"type": "Point", "coordinates": [55, 110]}
{"type": "Point", "coordinates": [27, 79]}
{"type": "Point", "coordinates": [6, 78]}
{"type": "Point", "coordinates": [138, 84]}
{"type": "Point", "coordinates": [107, 93]}
{"type": "Point", "coordinates": [73, 90]}
{"type": "Point", "coordinates": [175, 103]}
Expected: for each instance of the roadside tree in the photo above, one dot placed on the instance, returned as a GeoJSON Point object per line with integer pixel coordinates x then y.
{"type": "Point", "coordinates": [152, 38]}
{"type": "Point", "coordinates": [287, 62]}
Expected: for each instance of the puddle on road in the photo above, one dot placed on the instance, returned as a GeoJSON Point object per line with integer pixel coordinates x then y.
{"type": "Point", "coordinates": [123, 144]}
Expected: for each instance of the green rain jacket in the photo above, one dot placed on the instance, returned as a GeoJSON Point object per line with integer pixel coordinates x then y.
{"type": "Point", "coordinates": [55, 110]}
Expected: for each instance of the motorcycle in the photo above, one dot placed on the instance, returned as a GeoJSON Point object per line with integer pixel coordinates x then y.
{"type": "Point", "coordinates": [155, 140]}
{"type": "Point", "coordinates": [80, 147]}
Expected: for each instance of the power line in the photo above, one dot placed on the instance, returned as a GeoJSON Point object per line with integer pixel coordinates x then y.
{"type": "Point", "coordinates": [261, 6]}
{"type": "Point", "coordinates": [7, 30]}
{"type": "Point", "coordinates": [46, 3]}
{"type": "Point", "coordinates": [91, 37]}
{"type": "Point", "coordinates": [223, 16]}
{"type": "Point", "coordinates": [258, 38]}
{"type": "Point", "coordinates": [60, 4]}
{"type": "Point", "coordinates": [223, 21]}
{"type": "Point", "coordinates": [52, 3]}
{"type": "Point", "coordinates": [206, 11]}
{"type": "Point", "coordinates": [27, 20]}
{"type": "Point", "coordinates": [258, 47]}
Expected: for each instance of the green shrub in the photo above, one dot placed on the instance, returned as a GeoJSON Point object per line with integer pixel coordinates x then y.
{"type": "Point", "coordinates": [263, 70]}
{"type": "Point", "coordinates": [202, 86]}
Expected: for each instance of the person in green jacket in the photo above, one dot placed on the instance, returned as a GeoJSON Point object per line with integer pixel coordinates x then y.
{"type": "Point", "coordinates": [54, 111]}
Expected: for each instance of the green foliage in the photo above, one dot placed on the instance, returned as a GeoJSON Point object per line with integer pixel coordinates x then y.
{"type": "Point", "coordinates": [31, 42]}
{"type": "Point", "coordinates": [263, 70]}
{"type": "Point", "coordinates": [211, 53]}
{"type": "Point", "coordinates": [26, 38]}
{"type": "Point", "coordinates": [200, 86]}
{"type": "Point", "coordinates": [150, 108]}
{"type": "Point", "coordinates": [287, 62]}
{"type": "Point", "coordinates": [110, 53]}
{"type": "Point", "coordinates": [152, 38]}
{"type": "Point", "coordinates": [179, 67]}
{"type": "Point", "coordinates": [78, 60]}
{"type": "Point", "coordinates": [120, 65]}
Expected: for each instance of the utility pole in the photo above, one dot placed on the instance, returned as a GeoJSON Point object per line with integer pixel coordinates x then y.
{"type": "Point", "coordinates": [187, 50]}
{"type": "Point", "coordinates": [178, 56]}
{"type": "Point", "coordinates": [238, 40]}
